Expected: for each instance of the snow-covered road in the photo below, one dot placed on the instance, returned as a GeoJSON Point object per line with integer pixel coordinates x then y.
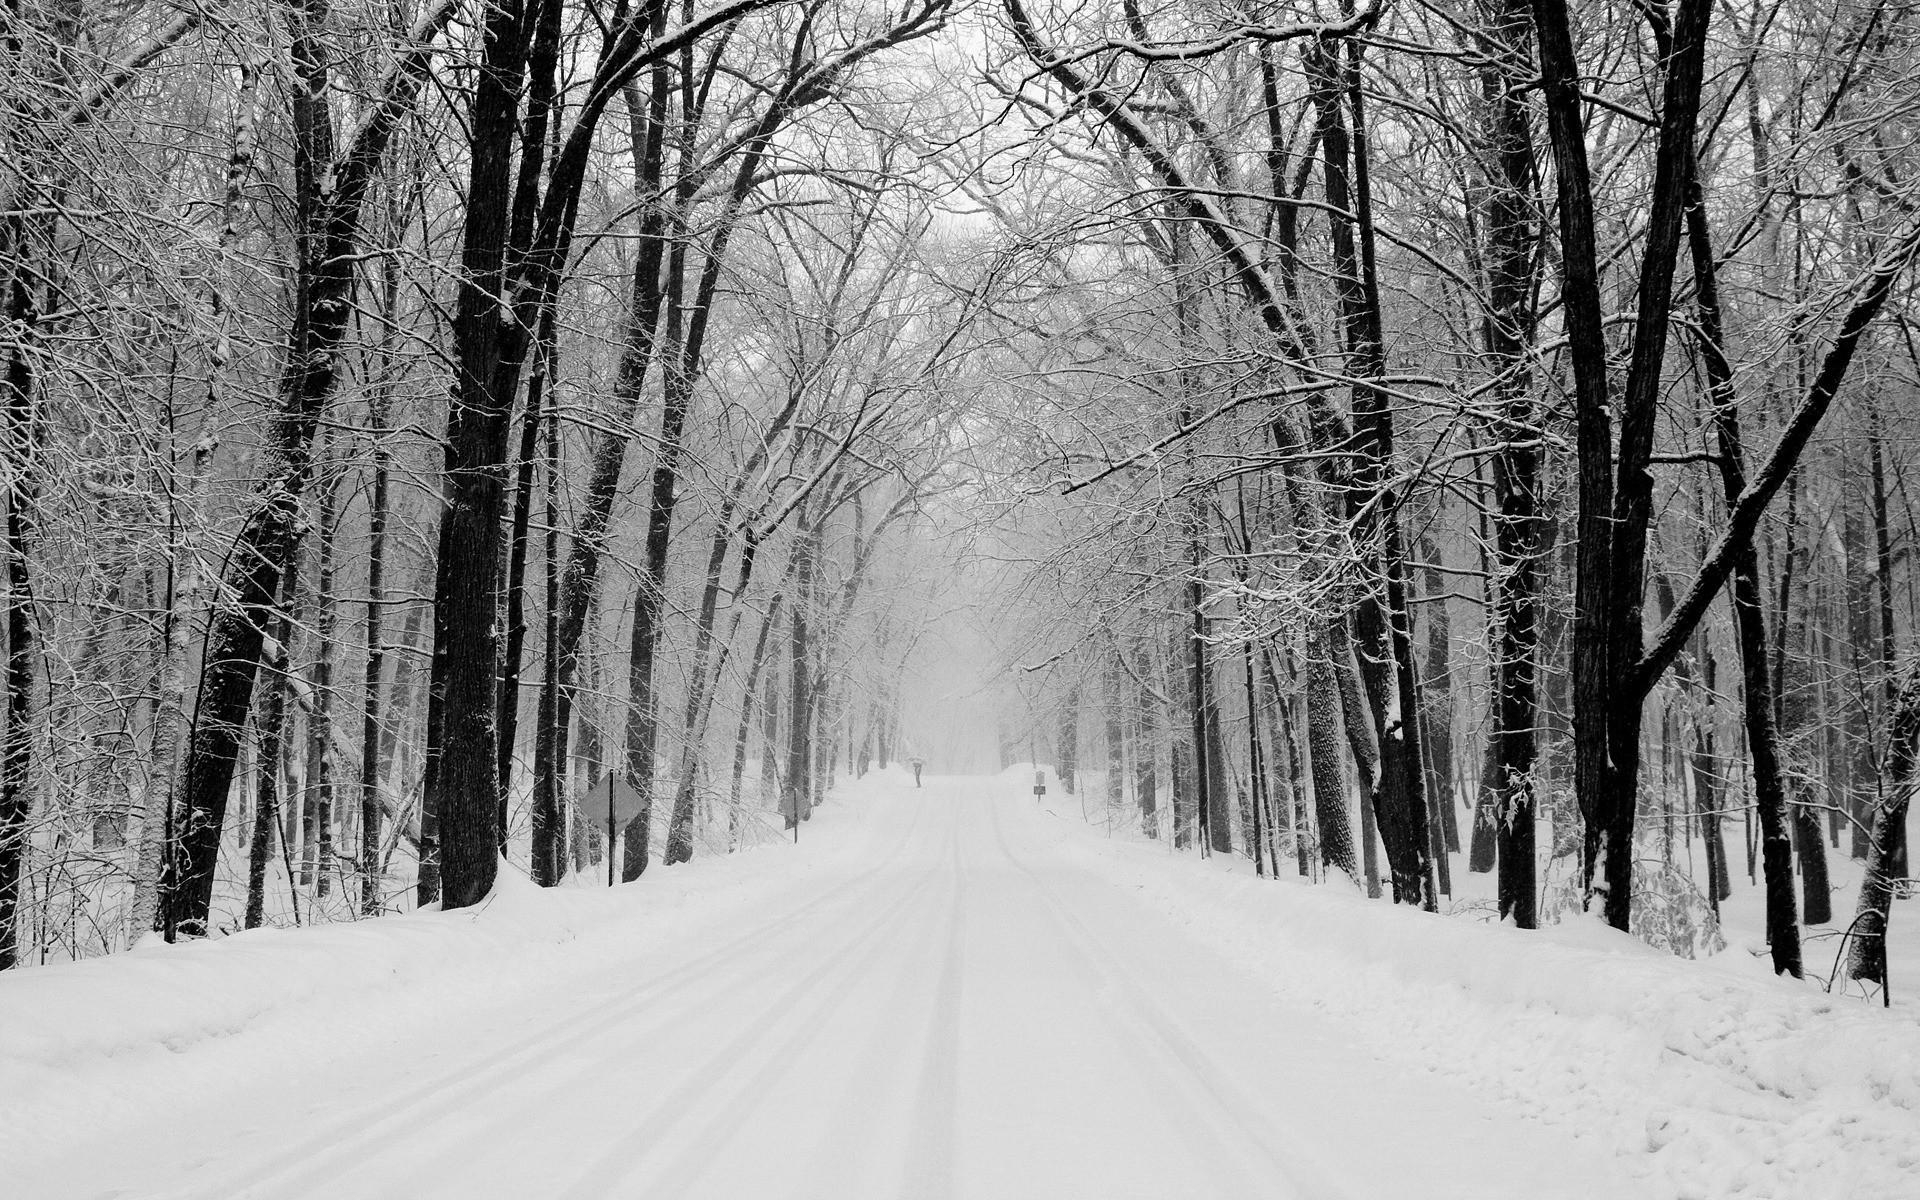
{"type": "Point", "coordinates": [948, 1008]}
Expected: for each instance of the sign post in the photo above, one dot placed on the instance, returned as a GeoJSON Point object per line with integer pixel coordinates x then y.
{"type": "Point", "coordinates": [621, 802]}
{"type": "Point", "coordinates": [1039, 785]}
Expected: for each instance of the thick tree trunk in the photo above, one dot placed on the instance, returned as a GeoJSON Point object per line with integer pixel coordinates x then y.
{"type": "Point", "coordinates": [462, 790]}
{"type": "Point", "coordinates": [1324, 756]}
{"type": "Point", "coordinates": [1587, 350]}
{"type": "Point", "coordinates": [1382, 623]}
{"type": "Point", "coordinates": [329, 192]}
{"type": "Point", "coordinates": [1507, 807]}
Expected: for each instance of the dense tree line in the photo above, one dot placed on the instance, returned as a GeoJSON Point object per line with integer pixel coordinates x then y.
{"type": "Point", "coordinates": [1402, 356]}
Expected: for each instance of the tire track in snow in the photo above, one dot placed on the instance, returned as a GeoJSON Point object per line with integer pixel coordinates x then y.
{"type": "Point", "coordinates": [628, 1042]}
{"type": "Point", "coordinates": [1184, 1062]}
{"type": "Point", "coordinates": [794, 1012]}
{"type": "Point", "coordinates": [930, 1161]}
{"type": "Point", "coordinates": [371, 1129]}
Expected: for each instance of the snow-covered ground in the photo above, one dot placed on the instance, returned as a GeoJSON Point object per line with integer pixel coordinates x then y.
{"type": "Point", "coordinates": [944, 992]}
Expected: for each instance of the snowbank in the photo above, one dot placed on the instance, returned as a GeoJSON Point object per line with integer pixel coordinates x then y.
{"type": "Point", "coordinates": [1715, 1079]}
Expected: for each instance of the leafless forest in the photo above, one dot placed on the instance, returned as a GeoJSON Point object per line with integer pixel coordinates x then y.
{"type": "Point", "coordinates": [1382, 442]}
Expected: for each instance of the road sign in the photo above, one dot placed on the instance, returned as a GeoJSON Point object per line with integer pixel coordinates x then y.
{"type": "Point", "coordinates": [1039, 784]}
{"type": "Point", "coordinates": [625, 798]}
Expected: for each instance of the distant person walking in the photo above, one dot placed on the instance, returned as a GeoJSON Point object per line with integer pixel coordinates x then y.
{"type": "Point", "coordinates": [916, 762]}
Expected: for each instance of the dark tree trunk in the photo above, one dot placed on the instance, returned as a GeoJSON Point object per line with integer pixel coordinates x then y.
{"type": "Point", "coordinates": [17, 443]}
{"type": "Point", "coordinates": [1883, 560]}
{"type": "Point", "coordinates": [1612, 674]}
{"type": "Point", "coordinates": [1382, 623]}
{"type": "Point", "coordinates": [317, 800]}
{"type": "Point", "coordinates": [329, 194]}
{"type": "Point", "coordinates": [1864, 768]}
{"type": "Point", "coordinates": [462, 789]}
{"type": "Point", "coordinates": [548, 816]}
{"type": "Point", "coordinates": [1259, 834]}
{"type": "Point", "coordinates": [1324, 759]}
{"type": "Point", "coordinates": [374, 678]}
{"type": "Point", "coordinates": [1507, 795]}
{"type": "Point", "coordinates": [1587, 351]}
{"type": "Point", "coordinates": [1749, 613]}
{"type": "Point", "coordinates": [1483, 847]}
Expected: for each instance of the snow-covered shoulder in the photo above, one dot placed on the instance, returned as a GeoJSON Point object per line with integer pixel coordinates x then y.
{"type": "Point", "coordinates": [1711, 1078]}
{"type": "Point", "coordinates": [85, 1046]}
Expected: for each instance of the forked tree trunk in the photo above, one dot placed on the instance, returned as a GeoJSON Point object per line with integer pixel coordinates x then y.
{"type": "Point", "coordinates": [1382, 624]}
